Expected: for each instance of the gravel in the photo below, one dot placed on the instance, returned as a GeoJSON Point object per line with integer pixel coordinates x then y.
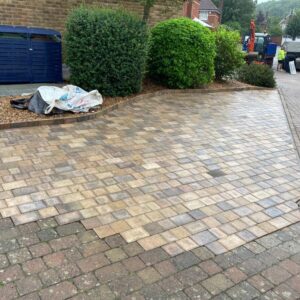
{"type": "Point", "coordinates": [10, 115]}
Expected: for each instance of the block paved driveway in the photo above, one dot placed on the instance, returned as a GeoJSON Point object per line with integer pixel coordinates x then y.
{"type": "Point", "coordinates": [174, 197]}
{"type": "Point", "coordinates": [176, 172]}
{"type": "Point", "coordinates": [44, 260]}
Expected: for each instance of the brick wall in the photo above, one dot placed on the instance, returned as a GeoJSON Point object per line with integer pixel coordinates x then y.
{"type": "Point", "coordinates": [52, 13]}
{"type": "Point", "coordinates": [213, 19]}
{"type": "Point", "coordinates": [191, 9]}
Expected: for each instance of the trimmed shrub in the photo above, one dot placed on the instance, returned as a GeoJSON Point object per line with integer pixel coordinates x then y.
{"type": "Point", "coordinates": [106, 50]}
{"type": "Point", "coordinates": [229, 52]}
{"type": "Point", "coordinates": [181, 53]}
{"type": "Point", "coordinates": [259, 75]}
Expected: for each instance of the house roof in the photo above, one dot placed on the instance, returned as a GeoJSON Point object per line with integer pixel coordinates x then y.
{"type": "Point", "coordinates": [208, 5]}
{"type": "Point", "coordinates": [286, 19]}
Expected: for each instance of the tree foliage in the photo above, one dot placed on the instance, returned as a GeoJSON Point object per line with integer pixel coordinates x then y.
{"type": "Point", "coordinates": [274, 27]}
{"type": "Point", "coordinates": [269, 23]}
{"type": "Point", "coordinates": [234, 26]}
{"type": "Point", "coordinates": [278, 8]}
{"type": "Point", "coordinates": [240, 11]}
{"type": "Point", "coordinates": [293, 26]}
{"type": "Point", "coordinates": [260, 18]}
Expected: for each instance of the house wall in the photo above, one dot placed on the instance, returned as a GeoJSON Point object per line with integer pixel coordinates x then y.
{"type": "Point", "coordinates": [53, 13]}
{"type": "Point", "coordinates": [213, 19]}
{"type": "Point", "coordinates": [191, 9]}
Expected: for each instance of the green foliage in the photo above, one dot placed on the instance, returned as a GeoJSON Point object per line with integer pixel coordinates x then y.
{"type": "Point", "coordinates": [279, 8]}
{"type": "Point", "coordinates": [106, 50]}
{"type": "Point", "coordinates": [258, 75]}
{"type": "Point", "coordinates": [269, 23]}
{"type": "Point", "coordinates": [293, 26]}
{"type": "Point", "coordinates": [229, 54]}
{"type": "Point", "coordinates": [274, 27]}
{"type": "Point", "coordinates": [234, 26]}
{"type": "Point", "coordinates": [240, 11]}
{"type": "Point", "coordinates": [260, 18]}
{"type": "Point", "coordinates": [181, 53]}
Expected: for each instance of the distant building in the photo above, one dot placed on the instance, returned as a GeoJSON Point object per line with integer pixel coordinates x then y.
{"type": "Point", "coordinates": [283, 23]}
{"type": "Point", "coordinates": [209, 13]}
{"type": "Point", "coordinates": [191, 8]}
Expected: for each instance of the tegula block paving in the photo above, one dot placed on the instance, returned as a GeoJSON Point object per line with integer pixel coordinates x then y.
{"type": "Point", "coordinates": [66, 273]}
{"type": "Point", "coordinates": [180, 196]}
{"type": "Point", "coordinates": [145, 180]}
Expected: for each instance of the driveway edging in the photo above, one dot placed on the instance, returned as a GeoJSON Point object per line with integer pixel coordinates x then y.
{"type": "Point", "coordinates": [295, 136]}
{"type": "Point", "coordinates": [82, 118]}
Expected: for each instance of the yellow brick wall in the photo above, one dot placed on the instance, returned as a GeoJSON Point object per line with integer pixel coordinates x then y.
{"type": "Point", "coordinates": [53, 13]}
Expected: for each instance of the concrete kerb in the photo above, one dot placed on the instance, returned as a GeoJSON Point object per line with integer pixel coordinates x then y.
{"type": "Point", "coordinates": [295, 135]}
{"type": "Point", "coordinates": [91, 116]}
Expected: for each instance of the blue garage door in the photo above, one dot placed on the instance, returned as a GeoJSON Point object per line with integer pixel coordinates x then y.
{"type": "Point", "coordinates": [30, 55]}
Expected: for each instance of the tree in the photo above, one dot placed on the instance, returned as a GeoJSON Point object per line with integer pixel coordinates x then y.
{"type": "Point", "coordinates": [261, 21]}
{"type": "Point", "coordinates": [241, 11]}
{"type": "Point", "coordinates": [275, 30]}
{"type": "Point", "coordinates": [293, 26]}
{"type": "Point", "coordinates": [278, 8]}
{"type": "Point", "coordinates": [147, 4]}
{"type": "Point", "coordinates": [234, 26]}
{"type": "Point", "coordinates": [274, 27]}
{"type": "Point", "coordinates": [221, 7]}
{"type": "Point", "coordinates": [261, 18]}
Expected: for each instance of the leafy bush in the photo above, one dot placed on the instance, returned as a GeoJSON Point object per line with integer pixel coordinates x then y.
{"type": "Point", "coordinates": [181, 53]}
{"type": "Point", "coordinates": [259, 75]}
{"type": "Point", "coordinates": [293, 26]}
{"type": "Point", "coordinates": [233, 25]}
{"type": "Point", "coordinates": [229, 52]}
{"type": "Point", "coordinates": [106, 50]}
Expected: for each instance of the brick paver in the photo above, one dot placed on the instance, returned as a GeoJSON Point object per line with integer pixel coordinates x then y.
{"type": "Point", "coordinates": [75, 273]}
{"type": "Point", "coordinates": [176, 172]}
{"type": "Point", "coordinates": [184, 197]}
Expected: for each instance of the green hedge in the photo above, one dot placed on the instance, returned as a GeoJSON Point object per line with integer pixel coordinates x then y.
{"type": "Point", "coordinates": [259, 75]}
{"type": "Point", "coordinates": [106, 50]}
{"type": "Point", "coordinates": [181, 53]}
{"type": "Point", "coordinates": [229, 52]}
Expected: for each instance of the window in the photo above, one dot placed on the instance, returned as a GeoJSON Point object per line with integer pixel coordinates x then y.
{"type": "Point", "coordinates": [204, 15]}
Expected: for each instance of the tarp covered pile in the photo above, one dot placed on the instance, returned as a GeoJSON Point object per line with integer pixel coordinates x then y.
{"type": "Point", "coordinates": [51, 99]}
